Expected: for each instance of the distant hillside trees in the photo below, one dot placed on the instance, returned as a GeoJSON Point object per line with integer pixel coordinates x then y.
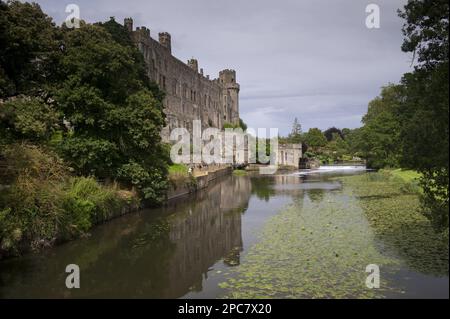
{"type": "Point", "coordinates": [314, 138]}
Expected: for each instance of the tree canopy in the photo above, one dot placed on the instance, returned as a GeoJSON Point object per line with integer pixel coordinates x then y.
{"type": "Point", "coordinates": [424, 114]}
{"type": "Point", "coordinates": [85, 93]}
{"type": "Point", "coordinates": [315, 138]}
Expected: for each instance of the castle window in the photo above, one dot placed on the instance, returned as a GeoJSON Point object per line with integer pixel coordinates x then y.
{"type": "Point", "coordinates": [174, 87]}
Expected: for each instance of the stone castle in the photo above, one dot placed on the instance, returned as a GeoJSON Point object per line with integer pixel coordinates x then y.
{"type": "Point", "coordinates": [190, 95]}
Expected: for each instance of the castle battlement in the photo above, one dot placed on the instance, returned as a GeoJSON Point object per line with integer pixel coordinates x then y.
{"type": "Point", "coordinates": [190, 95]}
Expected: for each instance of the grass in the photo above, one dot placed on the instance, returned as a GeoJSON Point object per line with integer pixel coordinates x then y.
{"type": "Point", "coordinates": [178, 169]}
{"type": "Point", "coordinates": [239, 172]}
{"type": "Point", "coordinates": [405, 180]}
{"type": "Point", "coordinates": [404, 175]}
{"type": "Point", "coordinates": [45, 204]}
{"type": "Point", "coordinates": [179, 176]}
{"type": "Point", "coordinates": [105, 199]}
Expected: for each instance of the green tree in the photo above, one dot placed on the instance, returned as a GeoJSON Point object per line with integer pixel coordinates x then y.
{"type": "Point", "coordinates": [296, 134]}
{"type": "Point", "coordinates": [314, 138]}
{"type": "Point", "coordinates": [27, 119]}
{"type": "Point", "coordinates": [332, 130]}
{"type": "Point", "coordinates": [423, 117]}
{"type": "Point", "coordinates": [380, 133]}
{"type": "Point", "coordinates": [242, 124]}
{"type": "Point", "coordinates": [29, 48]}
{"type": "Point", "coordinates": [354, 139]}
{"type": "Point", "coordinates": [115, 114]}
{"type": "Point", "coordinates": [336, 148]}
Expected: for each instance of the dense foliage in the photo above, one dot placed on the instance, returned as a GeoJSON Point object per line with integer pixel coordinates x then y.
{"type": "Point", "coordinates": [379, 137]}
{"type": "Point", "coordinates": [424, 116]}
{"type": "Point", "coordinates": [93, 80]}
{"type": "Point", "coordinates": [29, 48]}
{"type": "Point", "coordinates": [76, 102]}
{"type": "Point", "coordinates": [408, 124]}
{"type": "Point", "coordinates": [315, 144]}
{"type": "Point", "coordinates": [114, 115]}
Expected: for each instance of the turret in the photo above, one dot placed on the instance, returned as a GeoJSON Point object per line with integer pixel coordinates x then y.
{"type": "Point", "coordinates": [128, 23]}
{"type": "Point", "coordinates": [193, 64]}
{"type": "Point", "coordinates": [227, 78]}
{"type": "Point", "coordinates": [165, 40]}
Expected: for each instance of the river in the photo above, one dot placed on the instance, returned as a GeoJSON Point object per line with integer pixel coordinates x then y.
{"type": "Point", "coordinates": [199, 245]}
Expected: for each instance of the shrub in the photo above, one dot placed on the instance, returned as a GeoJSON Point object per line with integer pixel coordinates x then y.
{"type": "Point", "coordinates": [103, 199]}
{"type": "Point", "coordinates": [44, 204]}
{"type": "Point", "coordinates": [27, 118]}
{"type": "Point", "coordinates": [10, 233]}
{"type": "Point", "coordinates": [179, 176]}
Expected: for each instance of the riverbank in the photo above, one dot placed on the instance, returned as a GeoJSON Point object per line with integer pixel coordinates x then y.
{"type": "Point", "coordinates": [281, 235]}
{"type": "Point", "coordinates": [46, 206]}
{"type": "Point", "coordinates": [43, 204]}
{"type": "Point", "coordinates": [182, 182]}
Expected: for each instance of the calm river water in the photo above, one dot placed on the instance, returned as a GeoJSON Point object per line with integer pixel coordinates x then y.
{"type": "Point", "coordinates": [185, 249]}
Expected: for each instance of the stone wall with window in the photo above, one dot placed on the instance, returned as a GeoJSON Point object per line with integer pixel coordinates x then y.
{"type": "Point", "coordinates": [190, 95]}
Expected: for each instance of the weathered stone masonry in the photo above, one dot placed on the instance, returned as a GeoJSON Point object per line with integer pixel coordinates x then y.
{"type": "Point", "coordinates": [190, 95]}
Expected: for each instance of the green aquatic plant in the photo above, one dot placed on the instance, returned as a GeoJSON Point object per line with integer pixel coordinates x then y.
{"type": "Point", "coordinates": [319, 249]}
{"type": "Point", "coordinates": [397, 221]}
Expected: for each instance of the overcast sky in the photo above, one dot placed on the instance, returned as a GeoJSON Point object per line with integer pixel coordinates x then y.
{"type": "Point", "coordinates": [311, 59]}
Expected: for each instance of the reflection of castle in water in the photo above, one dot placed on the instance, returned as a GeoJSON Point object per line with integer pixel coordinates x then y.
{"type": "Point", "coordinates": [206, 231]}
{"type": "Point", "coordinates": [162, 253]}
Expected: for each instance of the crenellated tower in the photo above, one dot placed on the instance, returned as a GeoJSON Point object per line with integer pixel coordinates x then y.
{"type": "Point", "coordinates": [193, 64]}
{"type": "Point", "coordinates": [227, 79]}
{"type": "Point", "coordinates": [128, 23]}
{"type": "Point", "coordinates": [165, 40]}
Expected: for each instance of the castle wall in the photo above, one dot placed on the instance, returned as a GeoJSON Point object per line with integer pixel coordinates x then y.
{"type": "Point", "coordinates": [189, 94]}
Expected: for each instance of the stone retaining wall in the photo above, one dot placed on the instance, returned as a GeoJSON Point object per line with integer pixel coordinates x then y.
{"type": "Point", "coordinates": [202, 181]}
